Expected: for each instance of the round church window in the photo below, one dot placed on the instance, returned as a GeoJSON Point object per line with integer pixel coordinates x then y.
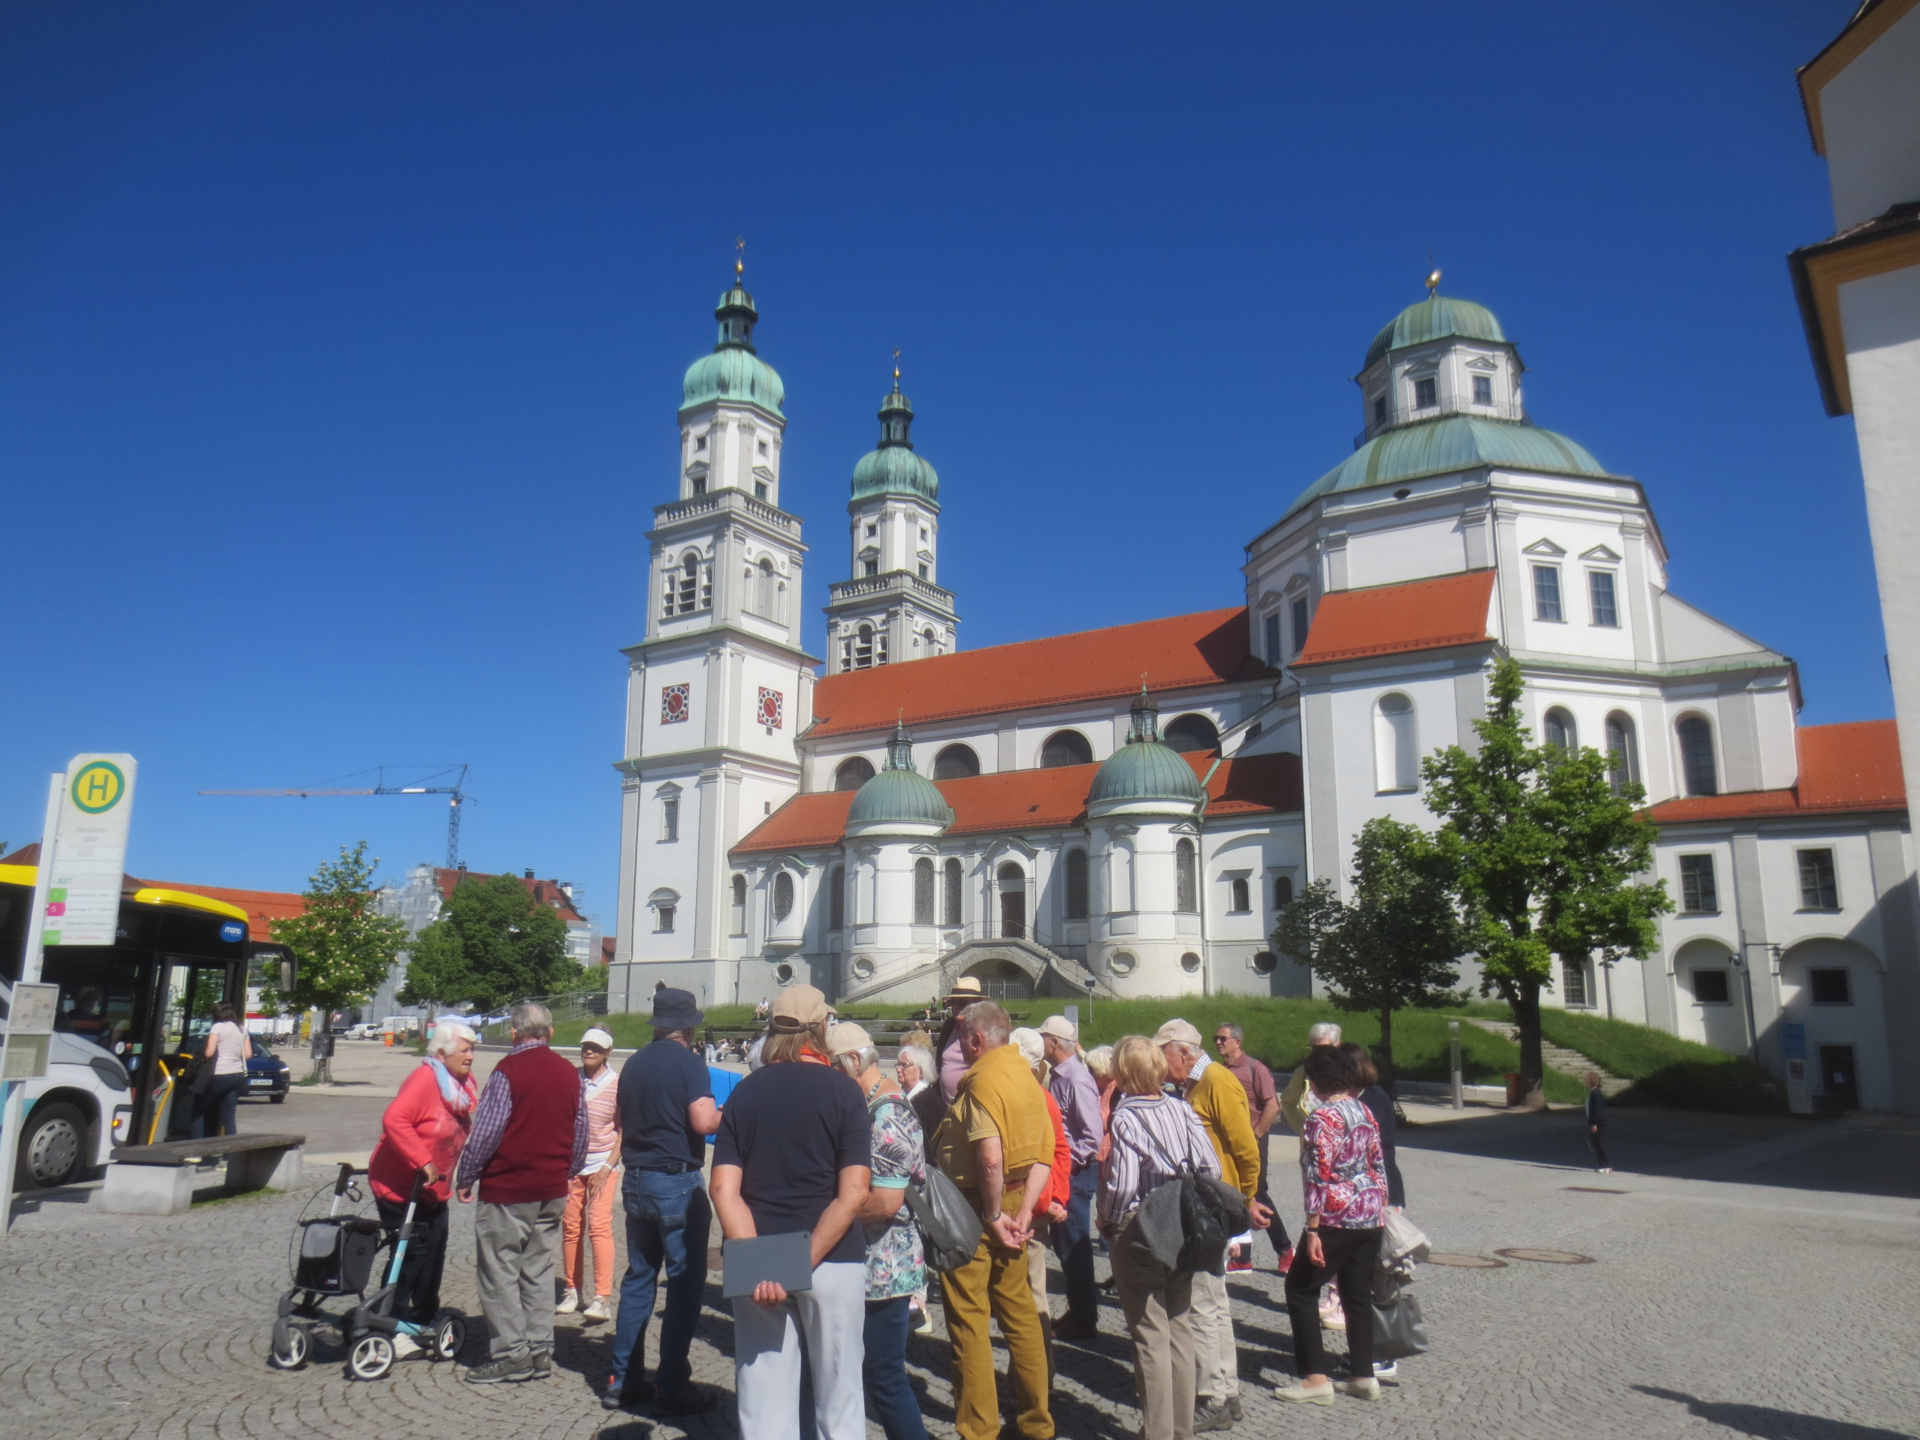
{"type": "Point", "coordinates": [1120, 963]}
{"type": "Point", "coordinates": [1190, 962]}
{"type": "Point", "coordinates": [862, 967]}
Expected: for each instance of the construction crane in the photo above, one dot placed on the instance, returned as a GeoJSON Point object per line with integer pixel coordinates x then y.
{"type": "Point", "coordinates": [457, 797]}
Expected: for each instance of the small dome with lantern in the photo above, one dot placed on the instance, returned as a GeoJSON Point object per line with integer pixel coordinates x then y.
{"type": "Point", "coordinates": [1144, 773]}
{"type": "Point", "coordinates": [899, 800]}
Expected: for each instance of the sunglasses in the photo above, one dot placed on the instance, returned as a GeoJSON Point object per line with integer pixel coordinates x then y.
{"type": "Point", "coordinates": [1221, 1039]}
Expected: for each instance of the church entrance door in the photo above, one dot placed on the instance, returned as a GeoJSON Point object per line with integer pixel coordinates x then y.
{"type": "Point", "coordinates": [1013, 903]}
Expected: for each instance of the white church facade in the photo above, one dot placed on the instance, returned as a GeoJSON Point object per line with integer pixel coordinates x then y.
{"type": "Point", "coordinates": [906, 811]}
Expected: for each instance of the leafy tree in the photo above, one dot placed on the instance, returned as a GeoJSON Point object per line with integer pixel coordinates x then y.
{"type": "Point", "coordinates": [1393, 946]}
{"type": "Point", "coordinates": [342, 948]}
{"type": "Point", "coordinates": [492, 945]}
{"type": "Point", "coordinates": [1545, 853]}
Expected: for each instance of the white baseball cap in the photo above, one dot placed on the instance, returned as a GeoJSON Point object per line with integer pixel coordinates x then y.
{"type": "Point", "coordinates": [597, 1036]}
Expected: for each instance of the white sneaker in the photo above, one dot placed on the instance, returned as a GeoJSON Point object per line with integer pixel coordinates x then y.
{"type": "Point", "coordinates": [569, 1303]}
{"type": "Point", "coordinates": [1385, 1369]}
{"type": "Point", "coordinates": [404, 1345]}
{"type": "Point", "coordinates": [597, 1310]}
{"type": "Point", "coordinates": [1363, 1389]}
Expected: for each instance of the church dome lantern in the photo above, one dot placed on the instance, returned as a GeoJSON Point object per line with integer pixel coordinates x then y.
{"type": "Point", "coordinates": [892, 468]}
{"type": "Point", "coordinates": [1438, 317]}
{"type": "Point", "coordinates": [899, 800]}
{"type": "Point", "coordinates": [733, 371]}
{"type": "Point", "coordinates": [1144, 774]}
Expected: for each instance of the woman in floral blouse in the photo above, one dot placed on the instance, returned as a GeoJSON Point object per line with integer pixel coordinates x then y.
{"type": "Point", "coordinates": [896, 1265]}
{"type": "Point", "coordinates": [1344, 1175]}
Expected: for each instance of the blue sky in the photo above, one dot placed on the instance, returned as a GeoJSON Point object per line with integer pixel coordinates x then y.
{"type": "Point", "coordinates": [342, 346]}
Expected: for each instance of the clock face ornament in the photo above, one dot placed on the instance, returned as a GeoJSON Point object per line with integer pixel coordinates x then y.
{"type": "Point", "coordinates": [673, 703]}
{"type": "Point", "coordinates": [772, 707]}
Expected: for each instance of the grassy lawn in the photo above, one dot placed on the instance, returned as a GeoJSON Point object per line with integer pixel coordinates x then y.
{"type": "Point", "coordinates": [1665, 1069]}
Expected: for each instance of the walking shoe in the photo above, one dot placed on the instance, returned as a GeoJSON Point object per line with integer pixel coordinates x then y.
{"type": "Point", "coordinates": [1239, 1259]}
{"type": "Point", "coordinates": [506, 1368]}
{"type": "Point", "coordinates": [627, 1396]}
{"type": "Point", "coordinates": [1071, 1327]}
{"type": "Point", "coordinates": [1286, 1260]}
{"type": "Point", "coordinates": [1332, 1317]}
{"type": "Point", "coordinates": [1319, 1394]}
{"type": "Point", "coordinates": [1214, 1415]}
{"type": "Point", "coordinates": [1385, 1369]}
{"type": "Point", "coordinates": [540, 1365]}
{"type": "Point", "coordinates": [923, 1321]}
{"type": "Point", "coordinates": [597, 1310]}
{"type": "Point", "coordinates": [1363, 1389]}
{"type": "Point", "coordinates": [569, 1302]}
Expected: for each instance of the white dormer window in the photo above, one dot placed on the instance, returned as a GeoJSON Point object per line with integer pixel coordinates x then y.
{"type": "Point", "coordinates": [1426, 393]}
{"type": "Point", "coordinates": [1483, 389]}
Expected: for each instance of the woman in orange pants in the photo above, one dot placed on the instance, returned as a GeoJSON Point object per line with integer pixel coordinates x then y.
{"type": "Point", "coordinates": [589, 1214]}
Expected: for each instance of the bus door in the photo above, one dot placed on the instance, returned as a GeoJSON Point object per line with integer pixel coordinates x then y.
{"type": "Point", "coordinates": [187, 987]}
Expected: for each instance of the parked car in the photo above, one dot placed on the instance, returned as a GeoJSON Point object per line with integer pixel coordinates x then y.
{"type": "Point", "coordinates": [267, 1074]}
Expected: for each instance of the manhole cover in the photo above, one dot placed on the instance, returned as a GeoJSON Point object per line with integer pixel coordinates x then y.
{"type": "Point", "coordinates": [1465, 1262]}
{"type": "Point", "coordinates": [1594, 1190]}
{"type": "Point", "coordinates": [1547, 1257]}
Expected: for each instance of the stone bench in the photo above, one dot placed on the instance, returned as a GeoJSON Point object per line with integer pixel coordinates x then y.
{"type": "Point", "coordinates": [160, 1179]}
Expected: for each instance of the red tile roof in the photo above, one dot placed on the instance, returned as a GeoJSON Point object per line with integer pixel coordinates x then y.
{"type": "Point", "coordinates": [1843, 768]}
{"type": "Point", "coordinates": [1399, 619]}
{"type": "Point", "coordinates": [547, 892]}
{"type": "Point", "coordinates": [1032, 800]}
{"type": "Point", "coordinates": [1174, 653]}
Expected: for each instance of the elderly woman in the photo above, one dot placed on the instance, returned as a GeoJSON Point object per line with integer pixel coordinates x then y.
{"type": "Point", "coordinates": [1155, 1138]}
{"type": "Point", "coordinates": [1100, 1065]}
{"type": "Point", "coordinates": [1343, 1173]}
{"type": "Point", "coordinates": [421, 1136]}
{"type": "Point", "coordinates": [913, 1068]}
{"type": "Point", "coordinates": [896, 1264]}
{"type": "Point", "coordinates": [589, 1214]}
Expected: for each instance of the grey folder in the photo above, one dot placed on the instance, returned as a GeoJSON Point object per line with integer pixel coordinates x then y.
{"type": "Point", "coordinates": [787, 1259]}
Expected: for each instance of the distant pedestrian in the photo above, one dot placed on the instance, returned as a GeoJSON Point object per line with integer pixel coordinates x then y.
{"type": "Point", "coordinates": [896, 1265]}
{"type": "Point", "coordinates": [946, 1049]}
{"type": "Point", "coordinates": [529, 1140]}
{"type": "Point", "coordinates": [1597, 1123]}
{"type": "Point", "coordinates": [666, 1112]}
{"type": "Point", "coordinates": [588, 1223]}
{"type": "Point", "coordinates": [1078, 1097]}
{"type": "Point", "coordinates": [794, 1154]}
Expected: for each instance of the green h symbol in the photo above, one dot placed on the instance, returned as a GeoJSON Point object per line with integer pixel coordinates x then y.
{"type": "Point", "coordinates": [99, 787]}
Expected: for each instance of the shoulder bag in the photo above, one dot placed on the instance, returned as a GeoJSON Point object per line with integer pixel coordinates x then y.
{"type": "Point", "coordinates": [949, 1227]}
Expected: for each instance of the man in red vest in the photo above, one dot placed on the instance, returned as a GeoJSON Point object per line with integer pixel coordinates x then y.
{"type": "Point", "coordinates": [529, 1138]}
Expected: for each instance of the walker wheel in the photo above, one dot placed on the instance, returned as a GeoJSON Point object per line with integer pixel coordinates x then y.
{"type": "Point", "coordinates": [449, 1335]}
{"type": "Point", "coordinates": [371, 1357]}
{"type": "Point", "coordinates": [290, 1345]}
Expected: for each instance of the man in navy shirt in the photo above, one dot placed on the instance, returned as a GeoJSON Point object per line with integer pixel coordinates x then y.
{"type": "Point", "coordinates": [666, 1113]}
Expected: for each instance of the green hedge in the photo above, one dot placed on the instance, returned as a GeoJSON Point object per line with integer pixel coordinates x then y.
{"type": "Point", "coordinates": [1665, 1069]}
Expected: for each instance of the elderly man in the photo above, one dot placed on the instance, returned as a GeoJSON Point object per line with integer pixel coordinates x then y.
{"type": "Point", "coordinates": [1298, 1101]}
{"type": "Point", "coordinates": [1079, 1100]}
{"type": "Point", "coordinates": [666, 1112]}
{"type": "Point", "coordinates": [1263, 1108]}
{"type": "Point", "coordinates": [794, 1155]}
{"type": "Point", "coordinates": [529, 1140]}
{"type": "Point", "coordinates": [946, 1050]}
{"type": "Point", "coordinates": [896, 1264]}
{"type": "Point", "coordinates": [1216, 1097]}
{"type": "Point", "coordinates": [995, 1144]}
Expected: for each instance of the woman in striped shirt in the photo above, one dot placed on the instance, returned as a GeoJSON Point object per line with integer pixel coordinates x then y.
{"type": "Point", "coordinates": [1155, 1137]}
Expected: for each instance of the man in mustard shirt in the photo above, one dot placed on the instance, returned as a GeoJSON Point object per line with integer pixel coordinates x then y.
{"type": "Point", "coordinates": [1219, 1100]}
{"type": "Point", "coordinates": [996, 1144]}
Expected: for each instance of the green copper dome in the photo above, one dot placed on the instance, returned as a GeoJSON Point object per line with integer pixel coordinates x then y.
{"type": "Point", "coordinates": [898, 795]}
{"type": "Point", "coordinates": [733, 371]}
{"type": "Point", "coordinates": [1436, 318]}
{"type": "Point", "coordinates": [1449, 443]}
{"type": "Point", "coordinates": [1144, 770]}
{"type": "Point", "coordinates": [893, 468]}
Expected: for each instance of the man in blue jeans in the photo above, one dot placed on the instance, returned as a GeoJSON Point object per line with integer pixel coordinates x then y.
{"type": "Point", "coordinates": [666, 1111]}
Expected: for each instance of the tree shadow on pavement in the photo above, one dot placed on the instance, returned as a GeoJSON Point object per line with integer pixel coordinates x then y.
{"type": "Point", "coordinates": [1766, 1423]}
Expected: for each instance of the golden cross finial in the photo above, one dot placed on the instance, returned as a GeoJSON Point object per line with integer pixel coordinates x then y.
{"type": "Point", "coordinates": [1433, 277]}
{"type": "Point", "coordinates": [896, 367]}
{"type": "Point", "coordinates": [739, 257]}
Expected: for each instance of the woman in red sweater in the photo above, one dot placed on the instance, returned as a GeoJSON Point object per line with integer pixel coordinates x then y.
{"type": "Point", "coordinates": [422, 1135]}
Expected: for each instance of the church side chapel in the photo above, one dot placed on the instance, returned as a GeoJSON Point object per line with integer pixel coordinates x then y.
{"type": "Point", "coordinates": [1124, 811]}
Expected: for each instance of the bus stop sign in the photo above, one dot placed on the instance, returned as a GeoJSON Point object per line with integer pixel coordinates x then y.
{"type": "Point", "coordinates": [90, 853]}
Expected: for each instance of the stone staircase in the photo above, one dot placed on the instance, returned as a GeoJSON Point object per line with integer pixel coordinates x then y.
{"type": "Point", "coordinates": [1558, 1057]}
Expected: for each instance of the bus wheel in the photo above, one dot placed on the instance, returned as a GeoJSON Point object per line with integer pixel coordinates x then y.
{"type": "Point", "coordinates": [50, 1150]}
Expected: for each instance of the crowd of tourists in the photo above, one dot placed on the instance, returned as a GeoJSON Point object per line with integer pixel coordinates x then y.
{"type": "Point", "coordinates": [951, 1173]}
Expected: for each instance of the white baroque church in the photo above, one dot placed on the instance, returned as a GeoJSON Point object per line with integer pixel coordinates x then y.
{"type": "Point", "coordinates": [1035, 815]}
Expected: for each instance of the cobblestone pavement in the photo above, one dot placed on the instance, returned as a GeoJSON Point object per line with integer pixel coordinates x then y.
{"type": "Point", "coordinates": [1709, 1308]}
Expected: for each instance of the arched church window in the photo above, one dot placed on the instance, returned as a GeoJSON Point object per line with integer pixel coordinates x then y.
{"type": "Point", "coordinates": [1192, 732]}
{"type": "Point", "coordinates": [956, 762]}
{"type": "Point", "coordinates": [837, 897]}
{"type": "Point", "coordinates": [1696, 755]}
{"type": "Point", "coordinates": [863, 648]}
{"type": "Point", "coordinates": [1623, 756]}
{"type": "Point", "coordinates": [1186, 880]}
{"type": "Point", "coordinates": [1013, 901]}
{"type": "Point", "coordinates": [954, 878]}
{"type": "Point", "coordinates": [1393, 744]}
{"type": "Point", "coordinates": [923, 892]}
{"type": "Point", "coordinates": [1076, 885]}
{"type": "Point", "coordinates": [1560, 733]}
{"type": "Point", "coordinates": [1239, 895]}
{"type": "Point", "coordinates": [763, 590]}
{"type": "Point", "coordinates": [852, 773]}
{"type": "Point", "coordinates": [1282, 892]}
{"type": "Point", "coordinates": [929, 642]}
{"type": "Point", "coordinates": [782, 896]}
{"type": "Point", "coordinates": [1065, 747]}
